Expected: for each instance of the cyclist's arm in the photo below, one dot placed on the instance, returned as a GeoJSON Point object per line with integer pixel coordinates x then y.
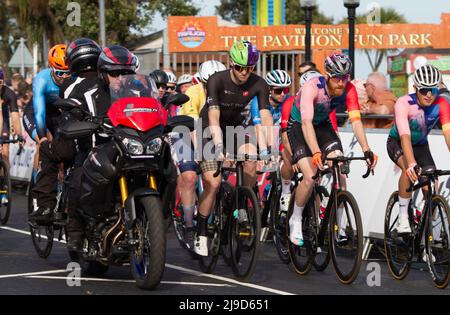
{"type": "Point", "coordinates": [212, 102]}
{"type": "Point", "coordinates": [355, 116]}
{"type": "Point", "coordinates": [401, 110]}
{"type": "Point", "coordinates": [267, 138]}
{"type": "Point", "coordinates": [15, 117]}
{"type": "Point", "coordinates": [444, 116]}
{"type": "Point", "coordinates": [39, 84]}
{"type": "Point", "coordinates": [306, 101]}
{"type": "Point", "coordinates": [1, 113]}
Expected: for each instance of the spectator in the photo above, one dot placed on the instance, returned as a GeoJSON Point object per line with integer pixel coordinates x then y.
{"type": "Point", "coordinates": [380, 101]}
{"type": "Point", "coordinates": [24, 95]}
{"type": "Point", "coordinates": [15, 81]}
{"type": "Point", "coordinates": [184, 82]}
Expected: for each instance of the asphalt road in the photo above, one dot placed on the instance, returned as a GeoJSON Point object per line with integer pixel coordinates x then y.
{"type": "Point", "coordinates": [23, 272]}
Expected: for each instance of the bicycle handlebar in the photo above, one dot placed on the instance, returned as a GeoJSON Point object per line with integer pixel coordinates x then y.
{"type": "Point", "coordinates": [340, 159]}
{"type": "Point", "coordinates": [430, 175]}
{"type": "Point", "coordinates": [238, 158]}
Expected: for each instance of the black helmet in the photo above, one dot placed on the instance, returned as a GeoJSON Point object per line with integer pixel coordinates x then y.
{"type": "Point", "coordinates": [116, 58]}
{"type": "Point", "coordinates": [159, 76]}
{"type": "Point", "coordinates": [82, 55]}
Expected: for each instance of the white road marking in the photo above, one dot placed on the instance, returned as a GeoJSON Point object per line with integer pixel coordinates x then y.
{"type": "Point", "coordinates": [29, 274]}
{"type": "Point", "coordinates": [192, 272]}
{"type": "Point", "coordinates": [244, 284]}
{"type": "Point", "coordinates": [29, 233]}
{"type": "Point", "coordinates": [131, 281]}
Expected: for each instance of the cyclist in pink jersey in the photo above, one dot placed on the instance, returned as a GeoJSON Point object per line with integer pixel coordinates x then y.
{"type": "Point", "coordinates": [416, 115]}
{"type": "Point", "coordinates": [312, 136]}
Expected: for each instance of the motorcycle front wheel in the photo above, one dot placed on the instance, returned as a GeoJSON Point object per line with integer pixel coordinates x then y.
{"type": "Point", "coordinates": [148, 256]}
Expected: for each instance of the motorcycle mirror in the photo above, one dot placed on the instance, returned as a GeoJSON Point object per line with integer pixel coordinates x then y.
{"type": "Point", "coordinates": [177, 99]}
{"type": "Point", "coordinates": [67, 104]}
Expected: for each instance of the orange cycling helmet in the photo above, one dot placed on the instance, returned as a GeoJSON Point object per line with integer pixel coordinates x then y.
{"type": "Point", "coordinates": [57, 57]}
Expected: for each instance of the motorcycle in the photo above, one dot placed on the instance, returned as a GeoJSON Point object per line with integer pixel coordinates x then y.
{"type": "Point", "coordinates": [128, 182]}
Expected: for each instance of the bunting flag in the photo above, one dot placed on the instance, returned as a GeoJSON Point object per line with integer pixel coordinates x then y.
{"type": "Point", "coordinates": [267, 12]}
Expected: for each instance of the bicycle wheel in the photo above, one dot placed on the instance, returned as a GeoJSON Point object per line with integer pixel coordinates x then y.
{"type": "Point", "coordinates": [208, 263]}
{"type": "Point", "coordinates": [322, 251]}
{"type": "Point", "coordinates": [245, 233]}
{"type": "Point", "coordinates": [278, 221]}
{"type": "Point", "coordinates": [41, 235]}
{"type": "Point", "coordinates": [5, 190]}
{"type": "Point", "coordinates": [227, 193]}
{"type": "Point", "coordinates": [215, 235]}
{"type": "Point", "coordinates": [398, 248]}
{"type": "Point", "coordinates": [437, 245]}
{"type": "Point", "coordinates": [346, 237]}
{"type": "Point", "coordinates": [301, 257]}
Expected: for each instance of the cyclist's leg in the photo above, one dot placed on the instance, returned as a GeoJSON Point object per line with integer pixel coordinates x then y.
{"type": "Point", "coordinates": [331, 146]}
{"type": "Point", "coordinates": [302, 156]}
{"type": "Point", "coordinates": [395, 153]}
{"type": "Point", "coordinates": [286, 179]}
{"type": "Point", "coordinates": [75, 224]}
{"type": "Point", "coordinates": [206, 203]}
{"type": "Point", "coordinates": [186, 187]}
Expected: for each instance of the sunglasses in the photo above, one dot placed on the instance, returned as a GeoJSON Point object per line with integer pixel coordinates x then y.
{"type": "Point", "coordinates": [279, 91]}
{"type": "Point", "coordinates": [425, 91]}
{"type": "Point", "coordinates": [61, 73]}
{"type": "Point", "coordinates": [241, 69]}
{"type": "Point", "coordinates": [116, 74]}
{"type": "Point", "coordinates": [161, 86]}
{"type": "Point", "coordinates": [171, 88]}
{"type": "Point", "coordinates": [343, 78]}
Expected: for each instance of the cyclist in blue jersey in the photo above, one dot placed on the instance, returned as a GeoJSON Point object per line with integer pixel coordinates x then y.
{"type": "Point", "coordinates": [52, 150]}
{"type": "Point", "coordinates": [279, 83]}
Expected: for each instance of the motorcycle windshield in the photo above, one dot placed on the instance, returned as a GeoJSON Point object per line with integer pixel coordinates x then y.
{"type": "Point", "coordinates": [135, 103]}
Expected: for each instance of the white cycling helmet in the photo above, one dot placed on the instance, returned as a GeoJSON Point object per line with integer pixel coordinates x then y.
{"type": "Point", "coordinates": [185, 78]}
{"type": "Point", "coordinates": [208, 68]}
{"type": "Point", "coordinates": [308, 75]}
{"type": "Point", "coordinates": [172, 77]}
{"type": "Point", "coordinates": [427, 76]}
{"type": "Point", "coordinates": [278, 78]}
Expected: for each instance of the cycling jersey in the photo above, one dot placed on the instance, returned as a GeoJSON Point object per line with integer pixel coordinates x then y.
{"type": "Point", "coordinates": [286, 112]}
{"type": "Point", "coordinates": [197, 99]}
{"type": "Point", "coordinates": [231, 99]}
{"type": "Point", "coordinates": [313, 102]}
{"type": "Point", "coordinates": [9, 105]}
{"type": "Point", "coordinates": [416, 120]}
{"type": "Point", "coordinates": [28, 120]}
{"type": "Point", "coordinates": [45, 94]}
{"type": "Point", "coordinates": [274, 111]}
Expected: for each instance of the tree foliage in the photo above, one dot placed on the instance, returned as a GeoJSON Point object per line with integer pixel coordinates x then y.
{"type": "Point", "coordinates": [39, 19]}
{"type": "Point", "coordinates": [238, 10]}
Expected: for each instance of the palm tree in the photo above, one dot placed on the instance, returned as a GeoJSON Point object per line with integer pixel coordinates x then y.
{"type": "Point", "coordinates": [388, 16]}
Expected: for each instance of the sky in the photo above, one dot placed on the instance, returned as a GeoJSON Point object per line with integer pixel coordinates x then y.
{"type": "Point", "coordinates": [414, 10]}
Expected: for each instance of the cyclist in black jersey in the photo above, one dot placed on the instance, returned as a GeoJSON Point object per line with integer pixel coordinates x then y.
{"type": "Point", "coordinates": [9, 108]}
{"type": "Point", "coordinates": [228, 93]}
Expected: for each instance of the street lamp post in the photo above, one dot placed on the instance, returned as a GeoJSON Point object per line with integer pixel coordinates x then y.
{"type": "Point", "coordinates": [308, 6]}
{"type": "Point", "coordinates": [351, 6]}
